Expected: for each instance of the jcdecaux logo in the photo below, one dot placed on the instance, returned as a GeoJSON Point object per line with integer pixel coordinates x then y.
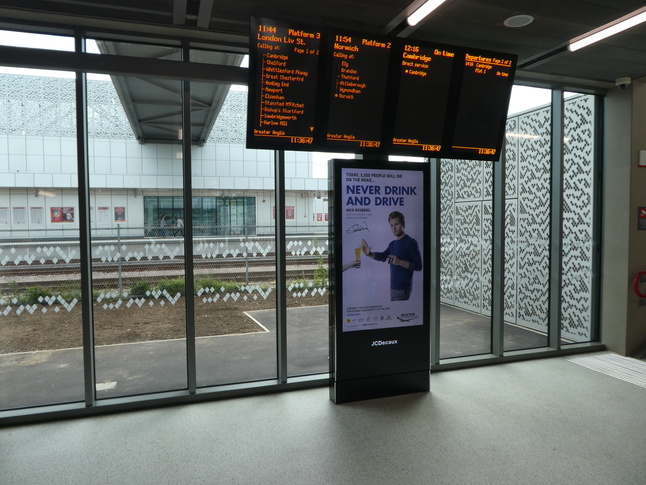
{"type": "Point", "coordinates": [379, 343]}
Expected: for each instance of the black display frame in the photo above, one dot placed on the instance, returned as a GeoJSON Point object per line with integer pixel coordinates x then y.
{"type": "Point", "coordinates": [315, 139]}
{"type": "Point", "coordinates": [380, 362]}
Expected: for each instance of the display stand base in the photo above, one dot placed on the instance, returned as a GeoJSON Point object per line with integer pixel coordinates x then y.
{"type": "Point", "coordinates": [379, 386]}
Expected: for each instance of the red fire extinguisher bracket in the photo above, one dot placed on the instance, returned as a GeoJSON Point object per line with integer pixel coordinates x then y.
{"type": "Point", "coordinates": [636, 284]}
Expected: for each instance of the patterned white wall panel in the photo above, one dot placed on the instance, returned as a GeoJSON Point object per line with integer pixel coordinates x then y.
{"type": "Point", "coordinates": [578, 219]}
{"type": "Point", "coordinates": [31, 105]}
{"type": "Point", "coordinates": [511, 158]}
{"type": "Point", "coordinates": [527, 223]}
{"type": "Point", "coordinates": [469, 180]}
{"type": "Point", "coordinates": [231, 125]}
{"type": "Point", "coordinates": [486, 252]}
{"type": "Point", "coordinates": [106, 118]}
{"type": "Point", "coordinates": [534, 218]}
{"type": "Point", "coordinates": [468, 253]}
{"type": "Point", "coordinates": [447, 229]}
{"type": "Point", "coordinates": [511, 260]}
{"type": "Point", "coordinates": [511, 220]}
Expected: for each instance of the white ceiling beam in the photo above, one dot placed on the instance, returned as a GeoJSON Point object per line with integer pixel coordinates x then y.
{"type": "Point", "coordinates": [204, 14]}
{"type": "Point", "coordinates": [179, 12]}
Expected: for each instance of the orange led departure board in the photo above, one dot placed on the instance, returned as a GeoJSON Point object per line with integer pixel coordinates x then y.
{"type": "Point", "coordinates": [320, 90]}
{"type": "Point", "coordinates": [357, 92]}
{"type": "Point", "coordinates": [424, 84]}
{"type": "Point", "coordinates": [479, 114]}
{"type": "Point", "coordinates": [286, 86]}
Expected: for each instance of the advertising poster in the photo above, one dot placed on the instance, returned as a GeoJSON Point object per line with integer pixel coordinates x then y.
{"type": "Point", "coordinates": [62, 214]}
{"type": "Point", "coordinates": [119, 214]}
{"type": "Point", "coordinates": [382, 232]}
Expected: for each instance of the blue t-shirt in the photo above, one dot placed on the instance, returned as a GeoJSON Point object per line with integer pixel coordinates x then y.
{"type": "Point", "coordinates": [405, 249]}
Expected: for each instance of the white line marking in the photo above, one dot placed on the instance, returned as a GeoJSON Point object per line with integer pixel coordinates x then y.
{"type": "Point", "coordinates": [106, 386]}
{"type": "Point", "coordinates": [256, 321]}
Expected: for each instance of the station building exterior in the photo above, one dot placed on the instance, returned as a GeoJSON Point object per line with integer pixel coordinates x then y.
{"type": "Point", "coordinates": [134, 183]}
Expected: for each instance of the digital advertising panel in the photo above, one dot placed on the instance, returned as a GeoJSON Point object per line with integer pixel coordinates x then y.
{"type": "Point", "coordinates": [382, 232]}
{"type": "Point", "coordinates": [380, 338]}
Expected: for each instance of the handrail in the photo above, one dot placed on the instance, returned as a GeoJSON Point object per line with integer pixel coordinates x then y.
{"type": "Point", "coordinates": [636, 284]}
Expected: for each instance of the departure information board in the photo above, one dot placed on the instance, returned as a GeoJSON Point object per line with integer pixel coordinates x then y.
{"type": "Point", "coordinates": [357, 92]}
{"type": "Point", "coordinates": [424, 85]}
{"type": "Point", "coordinates": [286, 88]}
{"type": "Point", "coordinates": [318, 90]}
{"type": "Point", "coordinates": [479, 113]}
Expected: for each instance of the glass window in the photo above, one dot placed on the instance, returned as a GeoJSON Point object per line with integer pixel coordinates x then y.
{"type": "Point", "coordinates": [465, 257]}
{"type": "Point", "coordinates": [40, 299]}
{"type": "Point", "coordinates": [134, 49]}
{"type": "Point", "coordinates": [219, 58]}
{"type": "Point", "coordinates": [234, 246]}
{"type": "Point", "coordinates": [139, 228]}
{"type": "Point", "coordinates": [138, 266]}
{"type": "Point", "coordinates": [527, 218]}
{"type": "Point", "coordinates": [580, 185]}
{"type": "Point", "coordinates": [307, 246]}
{"type": "Point", "coordinates": [37, 41]}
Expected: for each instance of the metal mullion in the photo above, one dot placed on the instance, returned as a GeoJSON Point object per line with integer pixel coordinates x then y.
{"type": "Point", "coordinates": [599, 103]}
{"type": "Point", "coordinates": [556, 221]}
{"type": "Point", "coordinates": [189, 273]}
{"type": "Point", "coordinates": [435, 235]}
{"type": "Point", "coordinates": [498, 258]}
{"type": "Point", "coordinates": [281, 272]}
{"type": "Point", "coordinates": [85, 237]}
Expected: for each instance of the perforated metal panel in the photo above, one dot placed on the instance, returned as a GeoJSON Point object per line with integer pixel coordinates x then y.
{"type": "Point", "coordinates": [466, 222]}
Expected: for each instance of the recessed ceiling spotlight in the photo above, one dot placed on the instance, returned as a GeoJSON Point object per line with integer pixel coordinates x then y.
{"type": "Point", "coordinates": [518, 21]}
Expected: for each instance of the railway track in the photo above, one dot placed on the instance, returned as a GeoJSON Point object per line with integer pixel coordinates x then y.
{"type": "Point", "coordinates": [259, 268]}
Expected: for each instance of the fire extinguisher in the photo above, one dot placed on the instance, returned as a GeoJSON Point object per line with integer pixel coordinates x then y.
{"type": "Point", "coordinates": [636, 284]}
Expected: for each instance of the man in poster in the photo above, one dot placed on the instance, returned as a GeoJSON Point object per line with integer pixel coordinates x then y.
{"type": "Point", "coordinates": [402, 255]}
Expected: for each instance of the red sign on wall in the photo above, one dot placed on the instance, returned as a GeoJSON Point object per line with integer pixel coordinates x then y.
{"type": "Point", "coordinates": [290, 211]}
{"type": "Point", "coordinates": [641, 223]}
{"type": "Point", "coordinates": [62, 214]}
{"type": "Point", "coordinates": [119, 214]}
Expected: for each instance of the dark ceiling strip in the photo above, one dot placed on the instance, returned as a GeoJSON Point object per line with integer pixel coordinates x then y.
{"type": "Point", "coordinates": [543, 57]}
{"type": "Point", "coordinates": [117, 65]}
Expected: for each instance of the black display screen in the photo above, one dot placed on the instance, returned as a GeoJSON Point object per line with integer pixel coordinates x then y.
{"type": "Point", "coordinates": [357, 92]}
{"type": "Point", "coordinates": [480, 116]}
{"type": "Point", "coordinates": [284, 87]}
{"type": "Point", "coordinates": [423, 95]}
{"type": "Point", "coordinates": [318, 90]}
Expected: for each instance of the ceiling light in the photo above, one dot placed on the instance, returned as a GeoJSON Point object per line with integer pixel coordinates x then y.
{"type": "Point", "coordinates": [612, 28]}
{"type": "Point", "coordinates": [423, 11]}
{"type": "Point", "coordinates": [518, 21]}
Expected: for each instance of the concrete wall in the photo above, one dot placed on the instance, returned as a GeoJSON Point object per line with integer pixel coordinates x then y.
{"type": "Point", "coordinates": [623, 321]}
{"type": "Point", "coordinates": [636, 322]}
